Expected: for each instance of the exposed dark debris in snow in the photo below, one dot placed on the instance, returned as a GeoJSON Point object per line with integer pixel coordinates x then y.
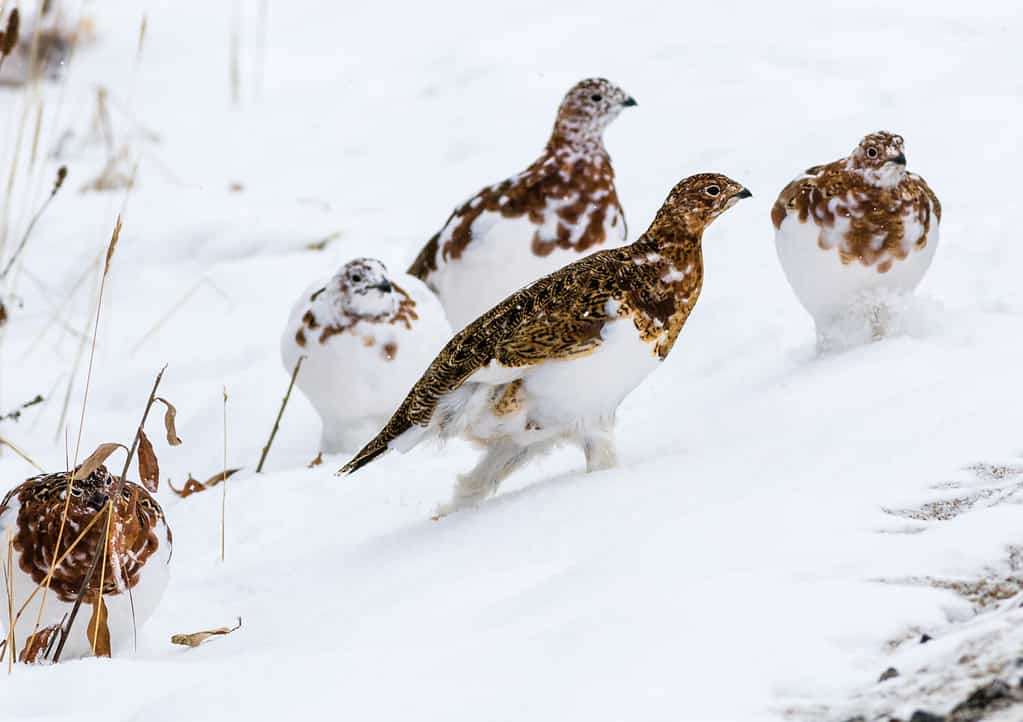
{"type": "Point", "coordinates": [1003, 483]}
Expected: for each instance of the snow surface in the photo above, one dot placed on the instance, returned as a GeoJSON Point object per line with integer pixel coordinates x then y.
{"type": "Point", "coordinates": [732, 568]}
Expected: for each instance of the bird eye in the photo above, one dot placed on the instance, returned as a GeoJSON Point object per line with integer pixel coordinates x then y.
{"type": "Point", "coordinates": [596, 97]}
{"type": "Point", "coordinates": [357, 278]}
{"type": "Point", "coordinates": [872, 152]}
{"type": "Point", "coordinates": [712, 190]}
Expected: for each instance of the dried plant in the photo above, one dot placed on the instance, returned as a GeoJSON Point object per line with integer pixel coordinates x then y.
{"type": "Point", "coordinates": [280, 413]}
{"type": "Point", "coordinates": [194, 486]}
{"type": "Point", "coordinates": [223, 480]}
{"type": "Point", "coordinates": [196, 638]}
{"type": "Point", "coordinates": [19, 452]}
{"type": "Point", "coordinates": [57, 183]}
{"type": "Point", "coordinates": [16, 414]}
{"type": "Point", "coordinates": [115, 493]}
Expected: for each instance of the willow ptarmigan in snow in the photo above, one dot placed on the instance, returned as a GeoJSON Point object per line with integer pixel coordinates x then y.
{"type": "Point", "coordinates": [366, 336]}
{"type": "Point", "coordinates": [135, 571]}
{"type": "Point", "coordinates": [855, 235]}
{"type": "Point", "coordinates": [553, 361]}
{"type": "Point", "coordinates": [561, 207]}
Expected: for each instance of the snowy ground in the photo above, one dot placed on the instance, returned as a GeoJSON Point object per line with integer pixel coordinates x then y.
{"type": "Point", "coordinates": [765, 550]}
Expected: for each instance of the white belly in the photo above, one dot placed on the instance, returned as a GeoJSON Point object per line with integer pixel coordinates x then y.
{"type": "Point", "coordinates": [559, 396]}
{"type": "Point", "coordinates": [500, 261]}
{"type": "Point", "coordinates": [825, 286]}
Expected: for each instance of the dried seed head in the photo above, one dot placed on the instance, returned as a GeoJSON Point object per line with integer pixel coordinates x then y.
{"type": "Point", "coordinates": [61, 176]}
{"type": "Point", "coordinates": [10, 37]}
{"type": "Point", "coordinates": [113, 245]}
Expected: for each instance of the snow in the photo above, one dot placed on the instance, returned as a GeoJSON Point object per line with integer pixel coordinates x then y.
{"type": "Point", "coordinates": [739, 565]}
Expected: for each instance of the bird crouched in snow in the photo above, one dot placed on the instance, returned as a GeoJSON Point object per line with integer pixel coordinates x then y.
{"type": "Point", "coordinates": [854, 236]}
{"type": "Point", "coordinates": [366, 336]}
{"type": "Point", "coordinates": [561, 207]}
{"type": "Point", "coordinates": [553, 361]}
{"type": "Point", "coordinates": [134, 572]}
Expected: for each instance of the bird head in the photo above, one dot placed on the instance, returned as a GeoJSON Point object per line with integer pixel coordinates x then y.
{"type": "Point", "coordinates": [362, 289]}
{"type": "Point", "coordinates": [697, 200]}
{"type": "Point", "coordinates": [880, 158]}
{"type": "Point", "coordinates": [589, 107]}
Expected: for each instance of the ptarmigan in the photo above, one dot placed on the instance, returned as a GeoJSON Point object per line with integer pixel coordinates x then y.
{"type": "Point", "coordinates": [135, 571]}
{"type": "Point", "coordinates": [855, 234]}
{"type": "Point", "coordinates": [553, 361]}
{"type": "Point", "coordinates": [561, 207]}
{"type": "Point", "coordinates": [366, 336]}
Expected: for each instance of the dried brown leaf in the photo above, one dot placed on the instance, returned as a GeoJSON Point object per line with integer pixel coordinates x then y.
{"type": "Point", "coordinates": [96, 459]}
{"type": "Point", "coordinates": [149, 465]}
{"type": "Point", "coordinates": [315, 462]}
{"type": "Point", "coordinates": [196, 638]}
{"type": "Point", "coordinates": [168, 421]}
{"type": "Point", "coordinates": [36, 645]}
{"type": "Point", "coordinates": [194, 486]}
{"type": "Point", "coordinates": [3, 313]}
{"type": "Point", "coordinates": [99, 632]}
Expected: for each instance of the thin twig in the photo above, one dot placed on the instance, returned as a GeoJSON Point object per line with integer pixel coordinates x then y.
{"type": "Point", "coordinates": [115, 494]}
{"type": "Point", "coordinates": [280, 413]}
{"type": "Point", "coordinates": [61, 175]}
{"type": "Point", "coordinates": [19, 452]}
{"type": "Point", "coordinates": [223, 483]}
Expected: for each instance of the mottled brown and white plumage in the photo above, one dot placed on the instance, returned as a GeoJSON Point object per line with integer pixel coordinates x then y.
{"type": "Point", "coordinates": [135, 569]}
{"type": "Point", "coordinates": [852, 232]}
{"type": "Point", "coordinates": [553, 361]}
{"type": "Point", "coordinates": [366, 335]}
{"type": "Point", "coordinates": [561, 207]}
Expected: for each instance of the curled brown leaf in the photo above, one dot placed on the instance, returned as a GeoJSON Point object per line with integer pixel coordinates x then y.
{"type": "Point", "coordinates": [168, 421]}
{"type": "Point", "coordinates": [196, 638]}
{"type": "Point", "coordinates": [96, 459]}
{"type": "Point", "coordinates": [149, 465]}
{"type": "Point", "coordinates": [194, 486]}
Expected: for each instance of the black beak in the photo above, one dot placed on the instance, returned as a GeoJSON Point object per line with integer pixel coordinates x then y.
{"type": "Point", "coordinates": [384, 287]}
{"type": "Point", "coordinates": [900, 159]}
{"type": "Point", "coordinates": [744, 193]}
{"type": "Point", "coordinates": [96, 500]}
{"type": "Point", "coordinates": [629, 102]}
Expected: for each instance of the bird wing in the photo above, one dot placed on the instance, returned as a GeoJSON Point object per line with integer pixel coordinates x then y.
{"type": "Point", "coordinates": [560, 316]}
{"type": "Point", "coordinates": [797, 196]}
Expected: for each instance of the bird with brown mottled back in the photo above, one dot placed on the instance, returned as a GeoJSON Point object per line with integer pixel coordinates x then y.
{"type": "Point", "coordinates": [854, 236]}
{"type": "Point", "coordinates": [134, 569]}
{"type": "Point", "coordinates": [553, 361]}
{"type": "Point", "coordinates": [560, 208]}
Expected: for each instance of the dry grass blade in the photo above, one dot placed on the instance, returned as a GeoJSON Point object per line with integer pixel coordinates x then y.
{"type": "Point", "coordinates": [196, 638]}
{"type": "Point", "coordinates": [149, 465]}
{"type": "Point", "coordinates": [142, 35]}
{"type": "Point", "coordinates": [57, 183]}
{"type": "Point", "coordinates": [280, 413]}
{"type": "Point", "coordinates": [96, 459]}
{"type": "Point", "coordinates": [19, 452]}
{"type": "Point", "coordinates": [168, 422]}
{"type": "Point", "coordinates": [99, 631]}
{"type": "Point", "coordinates": [223, 479]}
{"type": "Point", "coordinates": [9, 583]}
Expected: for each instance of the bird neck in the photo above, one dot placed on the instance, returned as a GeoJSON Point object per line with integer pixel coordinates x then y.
{"type": "Point", "coordinates": [576, 139]}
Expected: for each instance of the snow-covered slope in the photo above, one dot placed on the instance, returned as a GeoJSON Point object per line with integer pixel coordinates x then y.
{"type": "Point", "coordinates": [740, 565]}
